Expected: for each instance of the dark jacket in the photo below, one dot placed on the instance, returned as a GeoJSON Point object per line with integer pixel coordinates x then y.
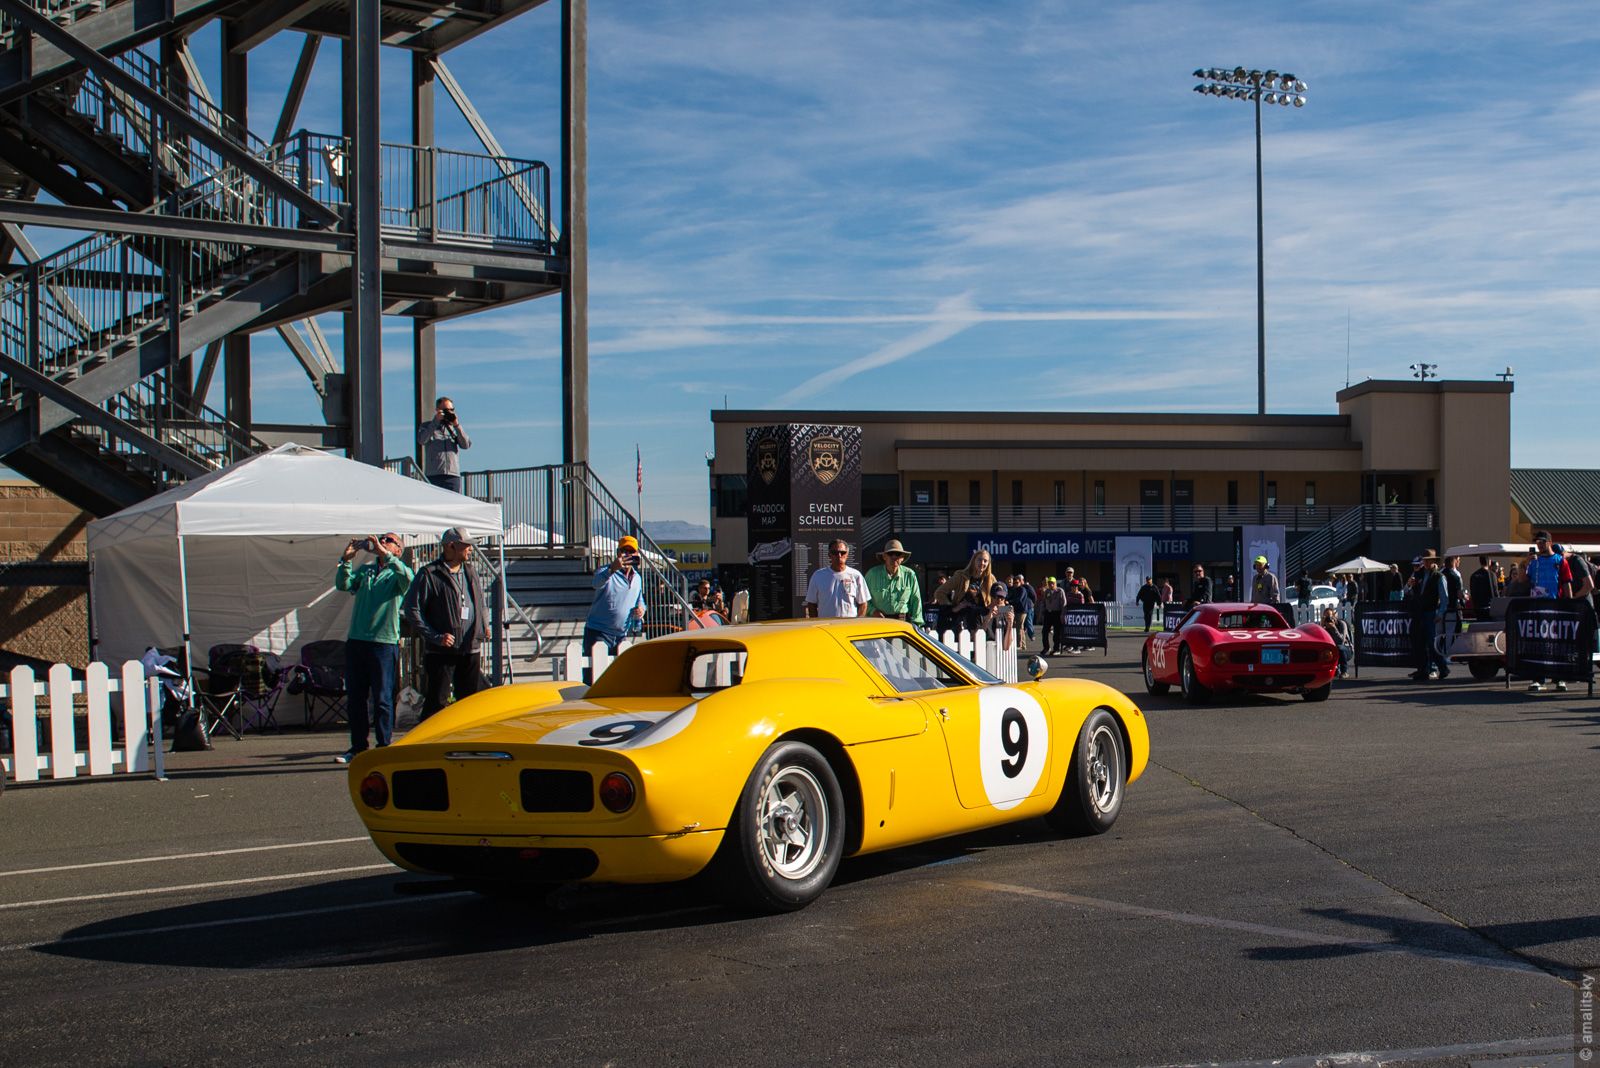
{"type": "Point", "coordinates": [1200, 593]}
{"type": "Point", "coordinates": [1430, 592]}
{"type": "Point", "coordinates": [432, 607]}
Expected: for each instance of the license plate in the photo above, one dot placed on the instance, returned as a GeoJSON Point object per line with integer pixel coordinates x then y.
{"type": "Point", "coordinates": [1275, 655]}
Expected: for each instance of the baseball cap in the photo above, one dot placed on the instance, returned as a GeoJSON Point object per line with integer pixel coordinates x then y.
{"type": "Point", "coordinates": [455, 536]}
{"type": "Point", "coordinates": [628, 541]}
{"type": "Point", "coordinates": [997, 590]}
{"type": "Point", "coordinates": [1261, 559]}
{"type": "Point", "coordinates": [1050, 580]}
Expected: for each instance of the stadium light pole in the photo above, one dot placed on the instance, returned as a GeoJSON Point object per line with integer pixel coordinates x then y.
{"type": "Point", "coordinates": [1259, 87]}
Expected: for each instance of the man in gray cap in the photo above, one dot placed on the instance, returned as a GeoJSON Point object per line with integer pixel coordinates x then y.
{"type": "Point", "coordinates": [894, 588]}
{"type": "Point", "coordinates": [445, 605]}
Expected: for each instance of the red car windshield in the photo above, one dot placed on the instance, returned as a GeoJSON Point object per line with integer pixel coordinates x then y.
{"type": "Point", "coordinates": [1256, 620]}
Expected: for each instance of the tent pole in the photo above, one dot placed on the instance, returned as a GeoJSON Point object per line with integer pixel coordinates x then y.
{"type": "Point", "coordinates": [183, 599]}
{"type": "Point", "coordinates": [500, 641]}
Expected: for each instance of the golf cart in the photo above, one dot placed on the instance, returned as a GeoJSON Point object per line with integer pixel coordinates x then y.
{"type": "Point", "coordinates": [1481, 645]}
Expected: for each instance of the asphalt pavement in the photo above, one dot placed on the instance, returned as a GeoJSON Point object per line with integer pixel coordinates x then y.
{"type": "Point", "coordinates": [1405, 873]}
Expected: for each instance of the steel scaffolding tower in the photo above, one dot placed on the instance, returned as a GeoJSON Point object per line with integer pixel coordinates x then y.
{"type": "Point", "coordinates": [205, 230]}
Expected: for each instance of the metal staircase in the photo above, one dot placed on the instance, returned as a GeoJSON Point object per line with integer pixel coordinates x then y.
{"type": "Point", "coordinates": [1318, 549]}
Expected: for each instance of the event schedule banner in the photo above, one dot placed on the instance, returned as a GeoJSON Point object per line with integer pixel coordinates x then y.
{"type": "Point", "coordinates": [1383, 634]}
{"type": "Point", "coordinates": [1549, 639]}
{"type": "Point", "coordinates": [1135, 563]}
{"type": "Point", "coordinates": [1084, 625]}
{"type": "Point", "coordinates": [804, 489]}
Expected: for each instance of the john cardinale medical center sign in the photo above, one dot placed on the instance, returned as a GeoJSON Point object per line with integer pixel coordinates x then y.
{"type": "Point", "coordinates": [1096, 546]}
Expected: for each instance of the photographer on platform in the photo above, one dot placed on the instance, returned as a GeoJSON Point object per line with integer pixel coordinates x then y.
{"type": "Point", "coordinates": [442, 439]}
{"type": "Point", "coordinates": [618, 598]}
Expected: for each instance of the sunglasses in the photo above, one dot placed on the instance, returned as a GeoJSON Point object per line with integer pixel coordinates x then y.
{"type": "Point", "coordinates": [841, 552]}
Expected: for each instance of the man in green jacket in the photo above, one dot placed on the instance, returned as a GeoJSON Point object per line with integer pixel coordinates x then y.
{"type": "Point", "coordinates": [893, 586]}
{"type": "Point", "coordinates": [372, 649]}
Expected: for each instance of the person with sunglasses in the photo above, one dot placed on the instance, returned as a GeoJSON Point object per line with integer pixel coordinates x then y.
{"type": "Point", "coordinates": [838, 589]}
{"type": "Point", "coordinates": [372, 644]}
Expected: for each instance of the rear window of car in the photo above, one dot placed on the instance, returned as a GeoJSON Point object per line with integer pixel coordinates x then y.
{"type": "Point", "coordinates": [665, 668]}
{"type": "Point", "coordinates": [905, 666]}
{"type": "Point", "coordinates": [1249, 621]}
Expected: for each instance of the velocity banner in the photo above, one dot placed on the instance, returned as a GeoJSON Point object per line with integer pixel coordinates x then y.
{"type": "Point", "coordinates": [1383, 634]}
{"type": "Point", "coordinates": [1084, 625]}
{"type": "Point", "coordinates": [1549, 639]}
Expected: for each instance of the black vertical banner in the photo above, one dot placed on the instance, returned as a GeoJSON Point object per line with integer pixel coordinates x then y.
{"type": "Point", "coordinates": [1550, 639]}
{"type": "Point", "coordinates": [804, 487]}
{"type": "Point", "coordinates": [768, 521]}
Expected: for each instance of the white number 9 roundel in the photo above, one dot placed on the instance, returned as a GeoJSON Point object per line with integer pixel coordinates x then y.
{"type": "Point", "coordinates": [1013, 744]}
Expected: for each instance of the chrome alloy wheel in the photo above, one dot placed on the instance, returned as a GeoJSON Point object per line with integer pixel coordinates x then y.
{"type": "Point", "coordinates": [792, 824]}
{"type": "Point", "coordinates": [1186, 665]}
{"type": "Point", "coordinates": [1105, 776]}
{"type": "Point", "coordinates": [1149, 673]}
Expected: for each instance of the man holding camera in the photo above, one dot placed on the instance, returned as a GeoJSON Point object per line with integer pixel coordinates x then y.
{"type": "Point", "coordinates": [445, 605]}
{"type": "Point", "coordinates": [618, 597]}
{"type": "Point", "coordinates": [442, 440]}
{"type": "Point", "coordinates": [372, 645]}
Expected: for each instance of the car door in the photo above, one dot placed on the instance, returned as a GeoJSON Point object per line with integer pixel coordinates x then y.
{"type": "Point", "coordinates": [997, 737]}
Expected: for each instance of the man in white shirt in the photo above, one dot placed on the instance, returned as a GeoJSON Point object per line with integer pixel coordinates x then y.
{"type": "Point", "coordinates": [838, 589]}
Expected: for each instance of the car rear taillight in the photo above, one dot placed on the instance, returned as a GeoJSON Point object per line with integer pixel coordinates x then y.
{"type": "Point", "coordinates": [1328, 656]}
{"type": "Point", "coordinates": [1219, 657]}
{"type": "Point", "coordinates": [374, 790]}
{"type": "Point", "coordinates": [616, 792]}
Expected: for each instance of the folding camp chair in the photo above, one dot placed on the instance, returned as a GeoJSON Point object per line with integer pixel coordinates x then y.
{"type": "Point", "coordinates": [218, 686]}
{"type": "Point", "coordinates": [261, 683]}
{"type": "Point", "coordinates": [319, 679]}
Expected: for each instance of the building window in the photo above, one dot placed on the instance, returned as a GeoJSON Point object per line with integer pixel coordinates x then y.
{"type": "Point", "coordinates": [1311, 496]}
{"type": "Point", "coordinates": [1272, 495]}
{"type": "Point", "coordinates": [1233, 493]}
{"type": "Point", "coordinates": [1060, 495]}
{"type": "Point", "coordinates": [1016, 493]}
{"type": "Point", "coordinates": [1099, 497]}
{"type": "Point", "coordinates": [974, 492]}
{"type": "Point", "coordinates": [732, 499]}
{"type": "Point", "coordinates": [879, 492]}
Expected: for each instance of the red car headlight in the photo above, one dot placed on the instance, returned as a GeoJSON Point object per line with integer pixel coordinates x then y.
{"type": "Point", "coordinates": [1219, 657]}
{"type": "Point", "coordinates": [374, 790]}
{"type": "Point", "coordinates": [617, 792]}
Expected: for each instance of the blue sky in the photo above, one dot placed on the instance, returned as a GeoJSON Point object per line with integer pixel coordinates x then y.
{"type": "Point", "coordinates": [1024, 206]}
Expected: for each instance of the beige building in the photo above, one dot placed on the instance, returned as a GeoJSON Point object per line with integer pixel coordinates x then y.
{"type": "Point", "coordinates": [1404, 466]}
{"type": "Point", "coordinates": [44, 592]}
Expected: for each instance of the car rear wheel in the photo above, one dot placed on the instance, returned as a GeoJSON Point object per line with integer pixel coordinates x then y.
{"type": "Point", "coordinates": [1150, 682]}
{"type": "Point", "coordinates": [1319, 694]}
{"type": "Point", "coordinates": [787, 836]}
{"type": "Point", "coordinates": [1193, 691]}
{"type": "Point", "coordinates": [1483, 669]}
{"type": "Point", "coordinates": [1092, 794]}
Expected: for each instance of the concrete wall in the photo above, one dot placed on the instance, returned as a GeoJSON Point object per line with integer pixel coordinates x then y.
{"type": "Point", "coordinates": [50, 623]}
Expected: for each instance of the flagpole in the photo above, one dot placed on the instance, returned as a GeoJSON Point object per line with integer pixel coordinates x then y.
{"type": "Point", "coordinates": [638, 485]}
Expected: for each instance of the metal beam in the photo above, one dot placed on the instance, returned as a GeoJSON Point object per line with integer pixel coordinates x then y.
{"type": "Point", "coordinates": [491, 144]}
{"type": "Point", "coordinates": [31, 255]}
{"type": "Point", "coordinates": [575, 230]}
{"type": "Point", "coordinates": [177, 117]}
{"type": "Point", "coordinates": [316, 369]}
{"type": "Point", "coordinates": [267, 18]}
{"type": "Point", "coordinates": [296, 92]}
{"type": "Point", "coordinates": [112, 221]}
{"type": "Point", "coordinates": [208, 369]}
{"type": "Point", "coordinates": [366, 369]}
{"type": "Point", "coordinates": [49, 389]}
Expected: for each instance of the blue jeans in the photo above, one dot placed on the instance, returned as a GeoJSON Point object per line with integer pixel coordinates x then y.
{"type": "Point", "coordinates": [369, 674]}
{"type": "Point", "coordinates": [449, 482]}
{"type": "Point", "coordinates": [590, 636]}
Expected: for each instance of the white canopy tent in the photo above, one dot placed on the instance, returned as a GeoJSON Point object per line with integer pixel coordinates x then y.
{"type": "Point", "coordinates": [1361, 565]}
{"type": "Point", "coordinates": [247, 554]}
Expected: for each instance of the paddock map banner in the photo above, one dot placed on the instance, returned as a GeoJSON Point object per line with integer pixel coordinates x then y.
{"type": "Point", "coordinates": [1085, 625]}
{"type": "Point", "coordinates": [1383, 634]}
{"type": "Point", "coordinates": [1549, 639]}
{"type": "Point", "coordinates": [804, 485]}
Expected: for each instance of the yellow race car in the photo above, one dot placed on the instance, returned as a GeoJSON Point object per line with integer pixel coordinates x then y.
{"type": "Point", "coordinates": [759, 754]}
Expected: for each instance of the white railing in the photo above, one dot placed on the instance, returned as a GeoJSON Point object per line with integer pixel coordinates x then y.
{"type": "Point", "coordinates": [133, 702]}
{"type": "Point", "coordinates": [720, 669]}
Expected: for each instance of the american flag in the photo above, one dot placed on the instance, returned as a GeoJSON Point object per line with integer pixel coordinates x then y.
{"type": "Point", "coordinates": [638, 471]}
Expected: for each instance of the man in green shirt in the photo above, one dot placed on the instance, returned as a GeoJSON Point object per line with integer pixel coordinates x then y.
{"type": "Point", "coordinates": [372, 648]}
{"type": "Point", "coordinates": [894, 588]}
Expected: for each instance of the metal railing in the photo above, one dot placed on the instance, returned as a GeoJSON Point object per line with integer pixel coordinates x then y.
{"type": "Point", "coordinates": [65, 12]}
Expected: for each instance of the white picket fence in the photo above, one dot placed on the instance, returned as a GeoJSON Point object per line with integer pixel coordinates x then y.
{"type": "Point", "coordinates": [721, 668]}
{"type": "Point", "coordinates": [129, 697]}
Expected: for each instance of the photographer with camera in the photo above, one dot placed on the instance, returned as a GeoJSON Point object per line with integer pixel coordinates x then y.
{"type": "Point", "coordinates": [618, 596]}
{"type": "Point", "coordinates": [442, 440]}
{"type": "Point", "coordinates": [372, 645]}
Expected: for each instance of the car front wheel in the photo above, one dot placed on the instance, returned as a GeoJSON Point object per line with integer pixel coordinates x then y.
{"type": "Point", "coordinates": [1483, 669]}
{"type": "Point", "coordinates": [1150, 682]}
{"type": "Point", "coordinates": [787, 836]}
{"type": "Point", "coordinates": [1194, 691]}
{"type": "Point", "coordinates": [1092, 795]}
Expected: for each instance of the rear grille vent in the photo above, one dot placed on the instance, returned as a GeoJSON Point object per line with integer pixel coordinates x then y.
{"type": "Point", "coordinates": [424, 790]}
{"type": "Point", "coordinates": [550, 790]}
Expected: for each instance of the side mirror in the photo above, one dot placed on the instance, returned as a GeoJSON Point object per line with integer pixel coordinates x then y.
{"type": "Point", "coordinates": [1037, 666]}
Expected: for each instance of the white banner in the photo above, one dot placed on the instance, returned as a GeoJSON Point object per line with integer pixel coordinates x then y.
{"type": "Point", "coordinates": [1135, 563]}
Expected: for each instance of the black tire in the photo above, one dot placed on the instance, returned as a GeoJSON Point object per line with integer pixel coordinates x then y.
{"type": "Point", "coordinates": [1319, 694]}
{"type": "Point", "coordinates": [1150, 683]}
{"type": "Point", "coordinates": [1091, 797]}
{"type": "Point", "coordinates": [1482, 669]}
{"type": "Point", "coordinates": [1195, 692]}
{"type": "Point", "coordinates": [791, 801]}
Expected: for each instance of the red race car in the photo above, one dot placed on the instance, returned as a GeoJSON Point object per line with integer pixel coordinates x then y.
{"type": "Point", "coordinates": [1217, 647]}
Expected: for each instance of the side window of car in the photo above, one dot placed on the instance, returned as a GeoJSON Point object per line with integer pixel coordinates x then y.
{"type": "Point", "coordinates": [904, 666]}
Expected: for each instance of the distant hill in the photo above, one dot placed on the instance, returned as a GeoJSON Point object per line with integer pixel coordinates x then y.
{"type": "Point", "coordinates": [677, 530]}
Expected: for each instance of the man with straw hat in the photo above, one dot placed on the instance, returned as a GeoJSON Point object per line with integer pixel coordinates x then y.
{"type": "Point", "coordinates": [893, 587]}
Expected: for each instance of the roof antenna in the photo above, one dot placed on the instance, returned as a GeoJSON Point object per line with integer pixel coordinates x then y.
{"type": "Point", "coordinates": [1347, 348]}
